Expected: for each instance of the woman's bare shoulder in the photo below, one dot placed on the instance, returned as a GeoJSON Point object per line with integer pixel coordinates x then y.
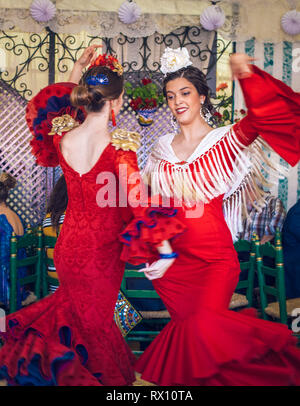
{"type": "Point", "coordinates": [69, 136]}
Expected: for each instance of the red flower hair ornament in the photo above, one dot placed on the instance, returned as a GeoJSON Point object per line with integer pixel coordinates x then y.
{"type": "Point", "coordinates": [110, 62]}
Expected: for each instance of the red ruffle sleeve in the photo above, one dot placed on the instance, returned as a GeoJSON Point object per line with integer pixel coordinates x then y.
{"type": "Point", "coordinates": [152, 222]}
{"type": "Point", "coordinates": [52, 101]}
{"type": "Point", "coordinates": [273, 113]}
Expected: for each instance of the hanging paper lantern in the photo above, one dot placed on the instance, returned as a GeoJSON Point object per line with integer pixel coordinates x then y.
{"type": "Point", "coordinates": [290, 22]}
{"type": "Point", "coordinates": [129, 12]}
{"type": "Point", "coordinates": [212, 18]}
{"type": "Point", "coordinates": [42, 10]}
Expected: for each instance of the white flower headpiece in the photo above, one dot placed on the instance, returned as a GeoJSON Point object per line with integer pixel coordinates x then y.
{"type": "Point", "coordinates": [174, 59]}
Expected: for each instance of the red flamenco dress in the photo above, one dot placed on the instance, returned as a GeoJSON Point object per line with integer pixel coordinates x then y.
{"type": "Point", "coordinates": [205, 343]}
{"type": "Point", "coordinates": [70, 338]}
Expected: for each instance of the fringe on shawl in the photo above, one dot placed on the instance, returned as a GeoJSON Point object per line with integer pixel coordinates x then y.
{"type": "Point", "coordinates": [209, 176]}
{"type": "Point", "coordinates": [251, 188]}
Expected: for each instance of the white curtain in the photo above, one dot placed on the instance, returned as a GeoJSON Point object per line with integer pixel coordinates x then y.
{"type": "Point", "coordinates": [244, 18]}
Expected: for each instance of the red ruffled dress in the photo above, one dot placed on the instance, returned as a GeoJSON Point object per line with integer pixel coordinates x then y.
{"type": "Point", "coordinates": [70, 338]}
{"type": "Point", "coordinates": [205, 343]}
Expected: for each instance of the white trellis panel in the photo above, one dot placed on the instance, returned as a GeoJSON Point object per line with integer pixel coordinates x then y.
{"type": "Point", "coordinates": [27, 199]}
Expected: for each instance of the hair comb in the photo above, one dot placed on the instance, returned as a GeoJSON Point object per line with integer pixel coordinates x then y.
{"type": "Point", "coordinates": [96, 80]}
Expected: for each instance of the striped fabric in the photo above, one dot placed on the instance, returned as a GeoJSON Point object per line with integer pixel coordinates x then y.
{"type": "Point", "coordinates": [48, 223]}
{"type": "Point", "coordinates": [280, 61]}
{"type": "Point", "coordinates": [49, 230]}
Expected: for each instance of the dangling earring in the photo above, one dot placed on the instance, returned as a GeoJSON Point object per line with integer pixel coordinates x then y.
{"type": "Point", "coordinates": [201, 112]}
{"type": "Point", "coordinates": [113, 118]}
{"type": "Point", "coordinates": [207, 116]}
{"type": "Point", "coordinates": [174, 123]}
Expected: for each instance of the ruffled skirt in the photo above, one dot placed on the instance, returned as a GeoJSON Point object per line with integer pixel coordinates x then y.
{"type": "Point", "coordinates": [46, 344]}
{"type": "Point", "coordinates": [230, 348]}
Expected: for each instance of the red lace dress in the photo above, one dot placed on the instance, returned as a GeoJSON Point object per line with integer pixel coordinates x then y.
{"type": "Point", "coordinates": [205, 343]}
{"type": "Point", "coordinates": [70, 338]}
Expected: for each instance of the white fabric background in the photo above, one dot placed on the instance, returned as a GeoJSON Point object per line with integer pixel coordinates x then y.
{"type": "Point", "coordinates": [245, 18]}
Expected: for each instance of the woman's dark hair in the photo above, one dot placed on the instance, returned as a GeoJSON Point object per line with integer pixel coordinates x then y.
{"type": "Point", "coordinates": [198, 79]}
{"type": "Point", "coordinates": [7, 182]}
{"type": "Point", "coordinates": [58, 202]}
{"type": "Point", "coordinates": [93, 97]}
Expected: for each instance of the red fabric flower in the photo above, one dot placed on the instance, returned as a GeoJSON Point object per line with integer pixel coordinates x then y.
{"type": "Point", "coordinates": [52, 101]}
{"type": "Point", "coordinates": [109, 61]}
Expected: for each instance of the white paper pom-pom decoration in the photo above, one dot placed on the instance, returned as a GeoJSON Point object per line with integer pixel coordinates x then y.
{"type": "Point", "coordinates": [290, 22]}
{"type": "Point", "coordinates": [42, 10]}
{"type": "Point", "coordinates": [212, 18]}
{"type": "Point", "coordinates": [129, 12]}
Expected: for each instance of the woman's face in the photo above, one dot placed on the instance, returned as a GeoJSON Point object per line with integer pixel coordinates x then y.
{"type": "Point", "coordinates": [184, 100]}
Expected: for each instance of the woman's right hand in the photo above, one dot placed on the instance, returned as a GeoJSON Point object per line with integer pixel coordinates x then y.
{"type": "Point", "coordinates": [157, 269]}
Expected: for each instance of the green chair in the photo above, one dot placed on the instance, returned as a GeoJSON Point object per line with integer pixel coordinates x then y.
{"type": "Point", "coordinates": [32, 242]}
{"type": "Point", "coordinates": [240, 300]}
{"type": "Point", "coordinates": [281, 309]}
{"type": "Point", "coordinates": [48, 242]}
{"type": "Point", "coordinates": [157, 318]}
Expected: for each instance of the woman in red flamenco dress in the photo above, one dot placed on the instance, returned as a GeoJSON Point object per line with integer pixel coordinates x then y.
{"type": "Point", "coordinates": [211, 172]}
{"type": "Point", "coordinates": [70, 338]}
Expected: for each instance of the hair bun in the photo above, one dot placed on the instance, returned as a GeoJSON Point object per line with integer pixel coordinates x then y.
{"type": "Point", "coordinates": [94, 96]}
{"type": "Point", "coordinates": [8, 181]}
{"type": "Point", "coordinates": [80, 96]}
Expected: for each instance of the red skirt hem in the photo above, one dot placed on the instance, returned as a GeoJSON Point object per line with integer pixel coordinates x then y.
{"type": "Point", "coordinates": [222, 349]}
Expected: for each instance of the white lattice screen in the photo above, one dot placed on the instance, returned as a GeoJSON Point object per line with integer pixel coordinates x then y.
{"type": "Point", "coordinates": [28, 198]}
{"type": "Point", "coordinates": [150, 134]}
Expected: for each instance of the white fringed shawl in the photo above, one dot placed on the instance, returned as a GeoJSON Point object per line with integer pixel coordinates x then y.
{"type": "Point", "coordinates": [206, 174]}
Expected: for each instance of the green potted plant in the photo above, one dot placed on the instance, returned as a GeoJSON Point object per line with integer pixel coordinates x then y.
{"type": "Point", "coordinates": [224, 106]}
{"type": "Point", "coordinates": [145, 99]}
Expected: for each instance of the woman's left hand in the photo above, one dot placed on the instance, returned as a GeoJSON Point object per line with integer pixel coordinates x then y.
{"type": "Point", "coordinates": [241, 65]}
{"type": "Point", "coordinates": [157, 269]}
{"type": "Point", "coordinates": [88, 56]}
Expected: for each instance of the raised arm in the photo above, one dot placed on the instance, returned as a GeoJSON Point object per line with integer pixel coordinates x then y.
{"type": "Point", "coordinates": [88, 56]}
{"type": "Point", "coordinates": [273, 111]}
